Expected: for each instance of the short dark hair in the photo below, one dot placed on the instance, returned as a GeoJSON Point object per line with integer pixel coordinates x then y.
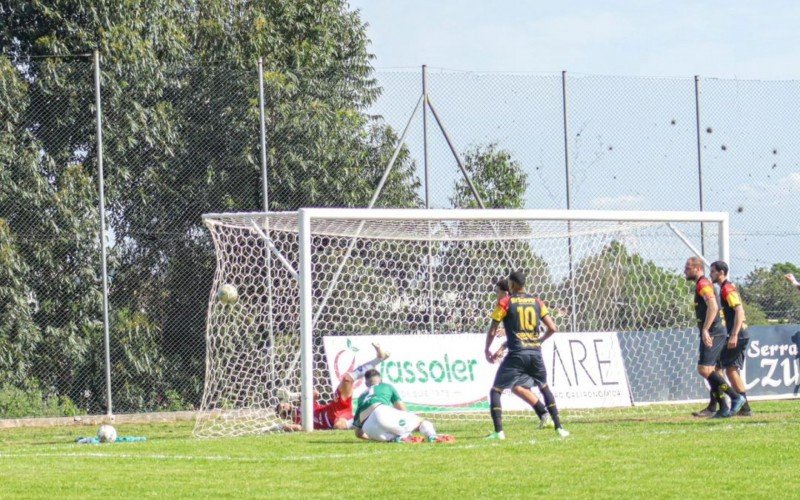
{"type": "Point", "coordinates": [517, 277]}
{"type": "Point", "coordinates": [502, 284]}
{"type": "Point", "coordinates": [720, 266]}
{"type": "Point", "coordinates": [372, 372]}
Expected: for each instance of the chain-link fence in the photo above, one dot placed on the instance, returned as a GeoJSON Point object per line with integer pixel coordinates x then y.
{"type": "Point", "coordinates": [186, 141]}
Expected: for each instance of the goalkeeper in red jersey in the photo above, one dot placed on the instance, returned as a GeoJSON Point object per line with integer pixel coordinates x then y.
{"type": "Point", "coordinates": [338, 413]}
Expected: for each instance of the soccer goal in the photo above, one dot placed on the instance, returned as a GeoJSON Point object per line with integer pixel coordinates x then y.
{"type": "Point", "coordinates": [316, 287]}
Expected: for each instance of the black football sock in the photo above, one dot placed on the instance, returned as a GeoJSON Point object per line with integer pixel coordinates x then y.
{"type": "Point", "coordinates": [540, 409]}
{"type": "Point", "coordinates": [551, 405]}
{"type": "Point", "coordinates": [712, 401]}
{"type": "Point", "coordinates": [714, 383]}
{"type": "Point", "coordinates": [723, 386]}
{"type": "Point", "coordinates": [496, 410]}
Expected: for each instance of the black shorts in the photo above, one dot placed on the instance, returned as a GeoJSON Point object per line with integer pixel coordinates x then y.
{"type": "Point", "coordinates": [520, 367]}
{"type": "Point", "coordinates": [735, 356]}
{"type": "Point", "coordinates": [709, 356]}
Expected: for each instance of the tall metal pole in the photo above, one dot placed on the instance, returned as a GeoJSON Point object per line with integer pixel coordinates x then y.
{"type": "Point", "coordinates": [263, 123]}
{"type": "Point", "coordinates": [425, 134]}
{"type": "Point", "coordinates": [699, 157]}
{"type": "Point", "coordinates": [568, 174]}
{"type": "Point", "coordinates": [265, 194]}
{"type": "Point", "coordinates": [432, 311]}
{"type": "Point", "coordinates": [103, 255]}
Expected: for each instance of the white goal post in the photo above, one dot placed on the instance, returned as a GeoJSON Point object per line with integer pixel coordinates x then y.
{"type": "Point", "coordinates": [314, 276]}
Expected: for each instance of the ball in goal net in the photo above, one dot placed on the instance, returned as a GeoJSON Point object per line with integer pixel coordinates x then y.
{"type": "Point", "coordinates": [317, 286]}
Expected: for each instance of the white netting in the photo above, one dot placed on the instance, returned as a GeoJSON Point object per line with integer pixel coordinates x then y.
{"type": "Point", "coordinates": [407, 277]}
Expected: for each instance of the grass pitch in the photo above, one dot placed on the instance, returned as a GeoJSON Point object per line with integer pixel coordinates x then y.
{"type": "Point", "coordinates": [620, 454]}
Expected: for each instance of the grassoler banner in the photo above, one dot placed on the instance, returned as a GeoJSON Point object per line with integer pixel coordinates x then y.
{"type": "Point", "coordinates": [449, 372]}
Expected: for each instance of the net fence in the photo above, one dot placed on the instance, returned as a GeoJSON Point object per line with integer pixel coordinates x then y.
{"type": "Point", "coordinates": [182, 139]}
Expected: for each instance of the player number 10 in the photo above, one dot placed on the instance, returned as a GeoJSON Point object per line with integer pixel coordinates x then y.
{"type": "Point", "coordinates": [527, 319]}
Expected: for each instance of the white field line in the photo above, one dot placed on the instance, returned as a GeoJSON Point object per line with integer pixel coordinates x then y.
{"type": "Point", "coordinates": [388, 449]}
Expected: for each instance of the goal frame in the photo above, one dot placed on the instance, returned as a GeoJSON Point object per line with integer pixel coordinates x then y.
{"type": "Point", "coordinates": [306, 215]}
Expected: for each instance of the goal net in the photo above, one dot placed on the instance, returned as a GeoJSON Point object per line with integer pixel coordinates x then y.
{"type": "Point", "coordinates": [318, 286]}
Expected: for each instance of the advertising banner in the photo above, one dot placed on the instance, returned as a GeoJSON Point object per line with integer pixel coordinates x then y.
{"type": "Point", "coordinates": [449, 372]}
{"type": "Point", "coordinates": [771, 361]}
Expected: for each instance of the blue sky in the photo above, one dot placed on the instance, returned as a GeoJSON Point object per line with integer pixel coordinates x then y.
{"type": "Point", "coordinates": [632, 140]}
{"type": "Point", "coordinates": [730, 39]}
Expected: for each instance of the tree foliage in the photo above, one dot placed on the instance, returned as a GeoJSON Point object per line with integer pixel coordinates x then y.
{"type": "Point", "coordinates": [766, 289]}
{"type": "Point", "coordinates": [619, 290]}
{"type": "Point", "coordinates": [181, 139]}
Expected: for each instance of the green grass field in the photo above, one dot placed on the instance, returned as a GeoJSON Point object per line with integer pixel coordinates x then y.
{"type": "Point", "coordinates": [628, 454]}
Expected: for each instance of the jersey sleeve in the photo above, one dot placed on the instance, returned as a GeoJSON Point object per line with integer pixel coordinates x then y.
{"type": "Point", "coordinates": [500, 310]}
{"type": "Point", "coordinates": [543, 310]}
{"type": "Point", "coordinates": [731, 296]}
{"type": "Point", "coordinates": [704, 289]}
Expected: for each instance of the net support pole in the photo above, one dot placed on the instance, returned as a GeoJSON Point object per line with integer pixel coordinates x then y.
{"type": "Point", "coordinates": [699, 157]}
{"type": "Point", "coordinates": [103, 251]}
{"type": "Point", "coordinates": [568, 184]}
{"type": "Point", "coordinates": [426, 104]}
{"type": "Point", "coordinates": [306, 326]}
{"type": "Point", "coordinates": [262, 119]}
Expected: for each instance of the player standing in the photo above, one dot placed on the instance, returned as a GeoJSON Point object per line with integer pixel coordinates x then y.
{"type": "Point", "coordinates": [521, 314]}
{"type": "Point", "coordinates": [732, 358]}
{"type": "Point", "coordinates": [712, 337]}
{"type": "Point", "coordinates": [522, 388]}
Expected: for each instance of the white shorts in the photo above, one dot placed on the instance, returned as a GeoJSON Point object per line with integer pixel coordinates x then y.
{"type": "Point", "coordinates": [386, 423]}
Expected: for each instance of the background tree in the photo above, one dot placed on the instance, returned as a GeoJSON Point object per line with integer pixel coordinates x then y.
{"type": "Point", "coordinates": [619, 290]}
{"type": "Point", "coordinates": [181, 139]}
{"type": "Point", "coordinates": [766, 289]}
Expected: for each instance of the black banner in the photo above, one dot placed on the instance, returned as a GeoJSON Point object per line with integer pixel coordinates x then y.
{"type": "Point", "coordinates": [771, 360]}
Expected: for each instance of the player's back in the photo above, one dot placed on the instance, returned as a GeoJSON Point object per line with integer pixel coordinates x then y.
{"type": "Point", "coordinates": [521, 322]}
{"type": "Point", "coordinates": [382, 393]}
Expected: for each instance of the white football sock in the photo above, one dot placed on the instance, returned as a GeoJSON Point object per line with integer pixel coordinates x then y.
{"type": "Point", "coordinates": [426, 428]}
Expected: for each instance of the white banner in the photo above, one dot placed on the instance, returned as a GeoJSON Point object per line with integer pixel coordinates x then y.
{"type": "Point", "coordinates": [585, 370]}
{"type": "Point", "coordinates": [449, 372]}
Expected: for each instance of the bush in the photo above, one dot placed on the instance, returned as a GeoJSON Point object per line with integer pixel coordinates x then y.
{"type": "Point", "coordinates": [17, 402]}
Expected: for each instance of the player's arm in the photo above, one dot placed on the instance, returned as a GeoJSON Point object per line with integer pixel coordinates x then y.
{"type": "Point", "coordinates": [547, 321]}
{"type": "Point", "coordinates": [712, 311]}
{"type": "Point", "coordinates": [498, 314]}
{"type": "Point", "coordinates": [731, 297]}
{"type": "Point", "coordinates": [551, 328]}
{"type": "Point", "coordinates": [490, 335]}
{"type": "Point", "coordinates": [791, 279]}
{"type": "Point", "coordinates": [292, 428]}
{"type": "Point", "coordinates": [396, 401]}
{"type": "Point", "coordinates": [360, 434]}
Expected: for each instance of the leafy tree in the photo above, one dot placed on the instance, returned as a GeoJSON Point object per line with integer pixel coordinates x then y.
{"type": "Point", "coordinates": [767, 289]}
{"type": "Point", "coordinates": [181, 139]}
{"type": "Point", "coordinates": [499, 180]}
{"type": "Point", "coordinates": [469, 268]}
{"type": "Point", "coordinates": [619, 290]}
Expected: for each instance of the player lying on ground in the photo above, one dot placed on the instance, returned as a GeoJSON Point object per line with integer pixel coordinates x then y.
{"type": "Point", "coordinates": [522, 388]}
{"type": "Point", "coordinates": [382, 415]}
{"type": "Point", "coordinates": [338, 413]}
{"type": "Point", "coordinates": [713, 338]}
{"type": "Point", "coordinates": [521, 314]}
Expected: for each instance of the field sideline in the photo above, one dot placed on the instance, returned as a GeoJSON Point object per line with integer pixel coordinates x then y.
{"type": "Point", "coordinates": [628, 455]}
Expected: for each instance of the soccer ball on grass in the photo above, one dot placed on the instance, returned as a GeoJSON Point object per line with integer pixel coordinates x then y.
{"type": "Point", "coordinates": [107, 434]}
{"type": "Point", "coordinates": [227, 294]}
